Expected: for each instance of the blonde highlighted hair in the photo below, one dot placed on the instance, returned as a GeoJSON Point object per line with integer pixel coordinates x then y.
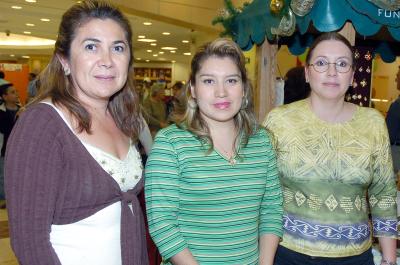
{"type": "Point", "coordinates": [244, 120]}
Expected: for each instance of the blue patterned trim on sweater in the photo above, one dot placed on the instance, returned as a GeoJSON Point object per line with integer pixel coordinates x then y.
{"type": "Point", "coordinates": [337, 234]}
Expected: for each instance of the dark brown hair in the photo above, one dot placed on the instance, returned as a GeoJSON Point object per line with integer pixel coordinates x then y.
{"type": "Point", "coordinates": [123, 105]}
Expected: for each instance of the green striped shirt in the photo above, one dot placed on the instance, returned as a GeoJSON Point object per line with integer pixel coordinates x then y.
{"type": "Point", "coordinates": [200, 201]}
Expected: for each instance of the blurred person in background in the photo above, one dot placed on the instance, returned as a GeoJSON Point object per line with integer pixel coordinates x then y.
{"type": "Point", "coordinates": [8, 114]}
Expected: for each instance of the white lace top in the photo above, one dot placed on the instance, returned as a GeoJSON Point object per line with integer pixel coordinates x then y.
{"type": "Point", "coordinates": [95, 240]}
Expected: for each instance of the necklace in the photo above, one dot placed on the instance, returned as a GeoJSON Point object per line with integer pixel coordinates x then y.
{"type": "Point", "coordinates": [230, 157]}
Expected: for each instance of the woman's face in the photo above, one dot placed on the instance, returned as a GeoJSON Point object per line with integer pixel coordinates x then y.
{"type": "Point", "coordinates": [99, 59]}
{"type": "Point", "coordinates": [334, 82]}
{"type": "Point", "coordinates": [218, 90]}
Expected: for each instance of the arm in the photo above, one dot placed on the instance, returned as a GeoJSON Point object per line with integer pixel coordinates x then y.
{"type": "Point", "coordinates": [184, 257]}
{"type": "Point", "coordinates": [32, 166]}
{"type": "Point", "coordinates": [146, 111]}
{"type": "Point", "coordinates": [271, 211]}
{"type": "Point", "coordinates": [268, 246]}
{"type": "Point", "coordinates": [382, 193]}
{"type": "Point", "coordinates": [393, 121]}
{"type": "Point", "coordinates": [388, 246]}
{"type": "Point", "coordinates": [162, 201]}
{"type": "Point", "coordinates": [145, 137]}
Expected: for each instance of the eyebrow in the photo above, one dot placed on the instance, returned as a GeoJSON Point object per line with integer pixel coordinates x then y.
{"type": "Point", "coordinates": [233, 75]}
{"type": "Point", "coordinates": [98, 41]}
{"type": "Point", "coordinates": [326, 57]}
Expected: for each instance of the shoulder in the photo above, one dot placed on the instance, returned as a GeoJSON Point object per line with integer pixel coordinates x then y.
{"type": "Point", "coordinates": [174, 133]}
{"type": "Point", "coordinates": [294, 106]}
{"type": "Point", "coordinates": [286, 111]}
{"type": "Point", "coordinates": [369, 115]}
{"type": "Point", "coordinates": [41, 119]}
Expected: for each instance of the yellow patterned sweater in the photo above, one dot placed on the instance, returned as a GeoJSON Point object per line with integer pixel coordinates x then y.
{"type": "Point", "coordinates": [333, 175]}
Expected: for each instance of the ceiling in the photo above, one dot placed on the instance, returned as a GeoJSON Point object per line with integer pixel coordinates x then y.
{"type": "Point", "coordinates": [14, 22]}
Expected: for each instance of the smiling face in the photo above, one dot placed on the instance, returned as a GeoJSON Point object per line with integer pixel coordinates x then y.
{"type": "Point", "coordinates": [331, 84]}
{"type": "Point", "coordinates": [218, 90]}
{"type": "Point", "coordinates": [99, 60]}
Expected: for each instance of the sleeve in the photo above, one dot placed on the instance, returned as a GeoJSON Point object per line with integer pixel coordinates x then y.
{"type": "Point", "coordinates": [393, 121]}
{"type": "Point", "coordinates": [3, 123]}
{"type": "Point", "coordinates": [382, 191]}
{"type": "Point", "coordinates": [32, 164]}
{"type": "Point", "coordinates": [162, 197]}
{"type": "Point", "coordinates": [272, 203]}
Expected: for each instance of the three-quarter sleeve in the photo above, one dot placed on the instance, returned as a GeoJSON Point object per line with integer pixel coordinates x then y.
{"type": "Point", "coordinates": [32, 165]}
{"type": "Point", "coordinates": [271, 205]}
{"type": "Point", "coordinates": [382, 190]}
{"type": "Point", "coordinates": [162, 197]}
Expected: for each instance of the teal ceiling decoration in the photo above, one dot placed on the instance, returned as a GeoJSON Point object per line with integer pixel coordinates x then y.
{"type": "Point", "coordinates": [278, 19]}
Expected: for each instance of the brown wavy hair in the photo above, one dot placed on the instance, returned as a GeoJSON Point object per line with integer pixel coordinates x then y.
{"type": "Point", "coordinates": [244, 120]}
{"type": "Point", "coordinates": [123, 105]}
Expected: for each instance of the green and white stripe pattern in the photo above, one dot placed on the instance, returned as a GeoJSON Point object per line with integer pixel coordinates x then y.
{"type": "Point", "coordinates": [200, 201]}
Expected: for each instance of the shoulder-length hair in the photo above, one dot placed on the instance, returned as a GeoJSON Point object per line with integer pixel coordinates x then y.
{"type": "Point", "coordinates": [54, 84]}
{"type": "Point", "coordinates": [244, 120]}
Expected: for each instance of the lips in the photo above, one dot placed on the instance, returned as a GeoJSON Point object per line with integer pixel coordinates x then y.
{"type": "Point", "coordinates": [104, 77]}
{"type": "Point", "coordinates": [222, 105]}
{"type": "Point", "coordinates": [331, 84]}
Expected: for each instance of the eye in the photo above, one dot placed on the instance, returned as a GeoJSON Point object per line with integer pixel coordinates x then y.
{"type": "Point", "coordinates": [208, 81]}
{"type": "Point", "coordinates": [321, 62]}
{"type": "Point", "coordinates": [342, 64]}
{"type": "Point", "coordinates": [90, 47]}
{"type": "Point", "coordinates": [119, 48]}
{"type": "Point", "coordinates": [233, 81]}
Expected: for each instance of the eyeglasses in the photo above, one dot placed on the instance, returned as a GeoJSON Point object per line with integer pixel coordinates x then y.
{"type": "Point", "coordinates": [322, 66]}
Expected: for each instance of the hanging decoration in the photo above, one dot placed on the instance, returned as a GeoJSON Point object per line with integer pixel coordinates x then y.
{"type": "Point", "coordinates": [301, 7]}
{"type": "Point", "coordinates": [391, 5]}
{"type": "Point", "coordinates": [226, 17]}
{"type": "Point", "coordinates": [276, 6]}
{"type": "Point", "coordinates": [287, 25]}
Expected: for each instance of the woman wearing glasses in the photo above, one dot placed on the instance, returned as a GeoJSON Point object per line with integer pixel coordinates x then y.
{"type": "Point", "coordinates": [335, 168]}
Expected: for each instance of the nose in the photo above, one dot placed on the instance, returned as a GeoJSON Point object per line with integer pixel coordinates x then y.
{"type": "Point", "coordinates": [105, 59]}
{"type": "Point", "coordinates": [220, 90]}
{"type": "Point", "coordinates": [332, 69]}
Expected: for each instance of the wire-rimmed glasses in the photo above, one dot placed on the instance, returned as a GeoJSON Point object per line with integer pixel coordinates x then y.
{"type": "Point", "coordinates": [322, 66]}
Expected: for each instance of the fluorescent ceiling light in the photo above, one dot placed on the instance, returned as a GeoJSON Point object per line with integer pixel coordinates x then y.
{"type": "Point", "coordinates": [141, 37]}
{"type": "Point", "coordinates": [166, 33]}
{"type": "Point", "coordinates": [23, 40]}
{"type": "Point", "coordinates": [149, 51]}
{"type": "Point", "coordinates": [30, 1]}
{"type": "Point", "coordinates": [27, 32]}
{"type": "Point", "coordinates": [147, 40]}
{"type": "Point", "coordinates": [45, 19]}
{"type": "Point", "coordinates": [173, 51]}
{"type": "Point", "coordinates": [16, 7]}
{"type": "Point", "coordinates": [153, 44]}
{"type": "Point", "coordinates": [187, 53]}
{"type": "Point", "coordinates": [30, 24]}
{"type": "Point", "coordinates": [147, 23]}
{"type": "Point", "coordinates": [169, 48]}
{"type": "Point", "coordinates": [185, 41]}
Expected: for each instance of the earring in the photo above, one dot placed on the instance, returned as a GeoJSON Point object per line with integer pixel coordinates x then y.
{"type": "Point", "coordinates": [245, 103]}
{"type": "Point", "coordinates": [67, 71]}
{"type": "Point", "coordinates": [192, 103]}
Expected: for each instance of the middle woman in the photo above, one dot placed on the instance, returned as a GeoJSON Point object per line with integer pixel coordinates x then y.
{"type": "Point", "coordinates": [212, 190]}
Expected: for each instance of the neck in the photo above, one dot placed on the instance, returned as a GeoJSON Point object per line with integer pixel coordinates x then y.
{"type": "Point", "coordinates": [327, 110]}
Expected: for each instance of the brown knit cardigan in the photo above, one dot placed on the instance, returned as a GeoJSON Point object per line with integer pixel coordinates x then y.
{"type": "Point", "coordinates": [50, 178]}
